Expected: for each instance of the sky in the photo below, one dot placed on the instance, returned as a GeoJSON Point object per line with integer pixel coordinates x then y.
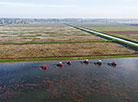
{"type": "Point", "coordinates": [68, 8]}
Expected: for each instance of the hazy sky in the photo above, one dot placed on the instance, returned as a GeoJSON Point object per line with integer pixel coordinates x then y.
{"type": "Point", "coordinates": [69, 8]}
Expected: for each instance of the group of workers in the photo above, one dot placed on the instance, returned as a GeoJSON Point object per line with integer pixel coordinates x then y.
{"type": "Point", "coordinates": [60, 64]}
{"type": "Point", "coordinates": [114, 63]}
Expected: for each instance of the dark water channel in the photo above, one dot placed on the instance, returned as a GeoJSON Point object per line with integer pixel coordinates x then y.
{"type": "Point", "coordinates": [24, 82]}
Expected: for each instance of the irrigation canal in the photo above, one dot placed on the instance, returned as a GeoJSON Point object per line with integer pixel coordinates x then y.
{"type": "Point", "coordinates": [105, 35]}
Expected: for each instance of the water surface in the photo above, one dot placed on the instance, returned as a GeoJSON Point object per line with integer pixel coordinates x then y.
{"type": "Point", "coordinates": [24, 82]}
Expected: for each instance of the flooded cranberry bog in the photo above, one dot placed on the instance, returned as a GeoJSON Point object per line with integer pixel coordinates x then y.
{"type": "Point", "coordinates": [78, 82]}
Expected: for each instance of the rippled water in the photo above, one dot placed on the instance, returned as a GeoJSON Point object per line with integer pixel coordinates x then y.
{"type": "Point", "coordinates": [24, 82]}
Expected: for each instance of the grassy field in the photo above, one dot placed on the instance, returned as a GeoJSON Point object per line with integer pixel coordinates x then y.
{"type": "Point", "coordinates": [63, 50]}
{"type": "Point", "coordinates": [55, 41]}
{"type": "Point", "coordinates": [43, 32]}
{"type": "Point", "coordinates": [125, 30]}
{"type": "Point", "coordinates": [66, 58]}
{"type": "Point", "coordinates": [49, 39]}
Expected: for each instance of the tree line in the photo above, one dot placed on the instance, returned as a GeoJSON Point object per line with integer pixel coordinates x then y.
{"type": "Point", "coordinates": [27, 21]}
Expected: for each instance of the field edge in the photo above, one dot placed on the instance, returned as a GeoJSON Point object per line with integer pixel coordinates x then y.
{"type": "Point", "coordinates": [66, 58]}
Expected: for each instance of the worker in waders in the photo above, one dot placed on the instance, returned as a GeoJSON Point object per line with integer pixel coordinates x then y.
{"type": "Point", "coordinates": [114, 63]}
{"type": "Point", "coordinates": [98, 63]}
{"type": "Point", "coordinates": [69, 62]}
{"type": "Point", "coordinates": [86, 61]}
{"type": "Point", "coordinates": [43, 67]}
{"type": "Point", "coordinates": [60, 64]}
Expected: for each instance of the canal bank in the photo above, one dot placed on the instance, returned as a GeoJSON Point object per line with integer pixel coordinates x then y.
{"type": "Point", "coordinates": [125, 42]}
{"type": "Point", "coordinates": [66, 58]}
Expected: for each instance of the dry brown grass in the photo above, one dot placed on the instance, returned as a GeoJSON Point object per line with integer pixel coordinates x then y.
{"type": "Point", "coordinates": [133, 36]}
{"type": "Point", "coordinates": [118, 29]}
{"type": "Point", "coordinates": [42, 33]}
{"type": "Point", "coordinates": [110, 26]}
{"type": "Point", "coordinates": [46, 39]}
{"type": "Point", "coordinates": [49, 50]}
{"type": "Point", "coordinates": [42, 28]}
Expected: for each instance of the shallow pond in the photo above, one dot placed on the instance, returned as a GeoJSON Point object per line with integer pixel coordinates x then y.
{"type": "Point", "coordinates": [24, 82]}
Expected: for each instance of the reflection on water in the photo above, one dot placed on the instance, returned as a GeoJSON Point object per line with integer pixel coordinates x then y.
{"type": "Point", "coordinates": [24, 82]}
